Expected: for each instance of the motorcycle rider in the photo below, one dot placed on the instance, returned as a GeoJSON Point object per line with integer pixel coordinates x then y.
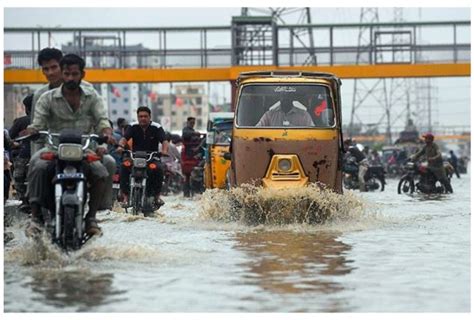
{"type": "Point", "coordinates": [173, 152]}
{"type": "Point", "coordinates": [362, 162]}
{"type": "Point", "coordinates": [21, 153]}
{"type": "Point", "coordinates": [191, 141]}
{"type": "Point", "coordinates": [453, 160]}
{"type": "Point", "coordinates": [146, 135]}
{"type": "Point", "coordinates": [6, 165]}
{"type": "Point", "coordinates": [435, 160]}
{"type": "Point", "coordinates": [71, 105]}
{"type": "Point", "coordinates": [374, 158]}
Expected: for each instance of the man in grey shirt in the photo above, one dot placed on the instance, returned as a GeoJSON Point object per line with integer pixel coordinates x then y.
{"type": "Point", "coordinates": [72, 106]}
{"type": "Point", "coordinates": [286, 113]}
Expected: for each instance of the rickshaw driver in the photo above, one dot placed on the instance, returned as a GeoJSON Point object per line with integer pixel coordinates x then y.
{"type": "Point", "coordinates": [286, 114]}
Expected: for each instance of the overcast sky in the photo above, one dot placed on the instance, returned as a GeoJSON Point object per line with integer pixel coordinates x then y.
{"type": "Point", "coordinates": [454, 93]}
{"type": "Point", "coordinates": [153, 17]}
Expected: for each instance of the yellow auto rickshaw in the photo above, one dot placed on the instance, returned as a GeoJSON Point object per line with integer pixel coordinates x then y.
{"type": "Point", "coordinates": [287, 130]}
{"type": "Point", "coordinates": [219, 131]}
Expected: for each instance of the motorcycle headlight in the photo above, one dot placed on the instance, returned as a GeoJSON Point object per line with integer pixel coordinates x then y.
{"type": "Point", "coordinates": [410, 165]}
{"type": "Point", "coordinates": [284, 165]}
{"type": "Point", "coordinates": [69, 170]}
{"type": "Point", "coordinates": [70, 152]}
{"type": "Point", "coordinates": [139, 163]}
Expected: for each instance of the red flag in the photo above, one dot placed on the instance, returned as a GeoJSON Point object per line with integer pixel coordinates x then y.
{"type": "Point", "coordinates": [7, 59]}
{"type": "Point", "coordinates": [153, 96]}
{"type": "Point", "coordinates": [115, 91]}
{"type": "Point", "coordinates": [319, 109]}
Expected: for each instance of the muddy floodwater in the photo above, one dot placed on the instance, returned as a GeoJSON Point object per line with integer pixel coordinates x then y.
{"type": "Point", "coordinates": [372, 252]}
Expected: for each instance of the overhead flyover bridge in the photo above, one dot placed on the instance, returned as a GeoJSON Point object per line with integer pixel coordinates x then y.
{"type": "Point", "coordinates": [221, 53]}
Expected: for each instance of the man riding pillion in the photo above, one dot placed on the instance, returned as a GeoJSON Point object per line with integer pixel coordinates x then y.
{"type": "Point", "coordinates": [74, 106]}
{"type": "Point", "coordinates": [146, 136]}
{"type": "Point", "coordinates": [435, 160]}
{"type": "Point", "coordinates": [362, 162]}
{"type": "Point", "coordinates": [192, 142]}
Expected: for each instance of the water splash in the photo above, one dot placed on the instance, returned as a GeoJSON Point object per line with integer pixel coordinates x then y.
{"type": "Point", "coordinates": [252, 205]}
{"type": "Point", "coordinates": [37, 251]}
{"type": "Point", "coordinates": [135, 253]}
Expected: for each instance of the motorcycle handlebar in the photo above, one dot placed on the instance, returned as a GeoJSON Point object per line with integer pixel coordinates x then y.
{"type": "Point", "coordinates": [150, 155]}
{"type": "Point", "coordinates": [49, 136]}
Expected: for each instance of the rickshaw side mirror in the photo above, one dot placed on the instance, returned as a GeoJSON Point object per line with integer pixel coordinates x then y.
{"type": "Point", "coordinates": [210, 137]}
{"type": "Point", "coordinates": [227, 156]}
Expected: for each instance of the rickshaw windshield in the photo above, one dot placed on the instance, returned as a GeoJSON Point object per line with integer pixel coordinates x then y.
{"type": "Point", "coordinates": [285, 105]}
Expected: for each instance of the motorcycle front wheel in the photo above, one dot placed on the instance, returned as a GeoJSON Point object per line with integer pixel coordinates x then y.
{"type": "Point", "coordinates": [406, 185]}
{"type": "Point", "coordinates": [165, 187]}
{"type": "Point", "coordinates": [137, 200]}
{"type": "Point", "coordinates": [375, 181]}
{"type": "Point", "coordinates": [70, 236]}
{"type": "Point", "coordinates": [347, 182]}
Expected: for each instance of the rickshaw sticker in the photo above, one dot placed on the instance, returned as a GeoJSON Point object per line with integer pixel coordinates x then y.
{"type": "Point", "coordinates": [285, 89]}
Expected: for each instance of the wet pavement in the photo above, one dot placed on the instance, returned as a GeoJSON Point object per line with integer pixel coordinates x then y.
{"type": "Point", "coordinates": [375, 252]}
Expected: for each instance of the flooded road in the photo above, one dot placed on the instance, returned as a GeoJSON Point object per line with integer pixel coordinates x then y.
{"type": "Point", "coordinates": [400, 254]}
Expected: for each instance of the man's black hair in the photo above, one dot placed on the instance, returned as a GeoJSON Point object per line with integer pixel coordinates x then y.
{"type": "Point", "coordinates": [27, 102]}
{"type": "Point", "coordinates": [190, 118]}
{"type": "Point", "coordinates": [144, 108]}
{"type": "Point", "coordinates": [48, 54]}
{"type": "Point", "coordinates": [120, 121]}
{"type": "Point", "coordinates": [72, 59]}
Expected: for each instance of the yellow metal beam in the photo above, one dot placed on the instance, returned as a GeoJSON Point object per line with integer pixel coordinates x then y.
{"type": "Point", "coordinates": [19, 76]}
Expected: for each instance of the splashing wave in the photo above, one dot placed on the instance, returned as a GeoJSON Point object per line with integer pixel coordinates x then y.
{"type": "Point", "coordinates": [257, 205]}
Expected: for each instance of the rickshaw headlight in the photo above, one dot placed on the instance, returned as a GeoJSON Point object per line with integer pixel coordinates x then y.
{"type": "Point", "coordinates": [284, 165]}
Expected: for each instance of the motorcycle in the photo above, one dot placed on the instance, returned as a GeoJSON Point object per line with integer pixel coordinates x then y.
{"type": "Point", "coordinates": [197, 179]}
{"type": "Point", "coordinates": [116, 195]}
{"type": "Point", "coordinates": [67, 224]}
{"type": "Point", "coordinates": [374, 177]}
{"type": "Point", "coordinates": [394, 170]}
{"type": "Point", "coordinates": [6, 178]}
{"type": "Point", "coordinates": [427, 182]}
{"type": "Point", "coordinates": [173, 179]}
{"type": "Point", "coordinates": [140, 199]}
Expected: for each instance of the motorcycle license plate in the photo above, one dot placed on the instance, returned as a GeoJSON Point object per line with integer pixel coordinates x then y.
{"type": "Point", "coordinates": [78, 175]}
{"type": "Point", "coordinates": [116, 186]}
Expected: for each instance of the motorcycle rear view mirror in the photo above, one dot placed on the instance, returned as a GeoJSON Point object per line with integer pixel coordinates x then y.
{"type": "Point", "coordinates": [33, 136]}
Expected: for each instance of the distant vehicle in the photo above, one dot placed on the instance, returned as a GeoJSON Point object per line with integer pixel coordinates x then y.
{"type": "Point", "coordinates": [374, 177]}
{"type": "Point", "coordinates": [219, 136]}
{"type": "Point", "coordinates": [173, 179]}
{"type": "Point", "coordinates": [418, 177]}
{"type": "Point", "coordinates": [141, 198]}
